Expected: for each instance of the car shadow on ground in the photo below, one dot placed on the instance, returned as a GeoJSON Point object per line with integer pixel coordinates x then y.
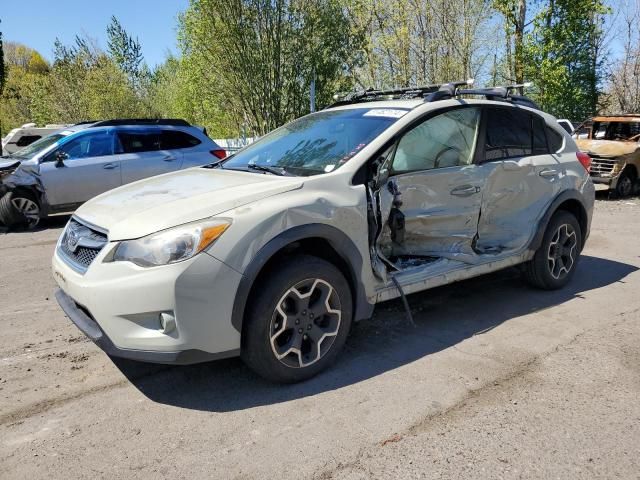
{"type": "Point", "coordinates": [444, 317]}
{"type": "Point", "coordinates": [56, 221]}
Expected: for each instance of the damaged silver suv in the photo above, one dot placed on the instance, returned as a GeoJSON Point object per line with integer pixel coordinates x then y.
{"type": "Point", "coordinates": [272, 253]}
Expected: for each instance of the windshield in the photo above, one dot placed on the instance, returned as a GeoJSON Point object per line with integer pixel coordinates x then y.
{"type": "Point", "coordinates": [32, 150]}
{"type": "Point", "coordinates": [621, 131]}
{"type": "Point", "coordinates": [317, 143]}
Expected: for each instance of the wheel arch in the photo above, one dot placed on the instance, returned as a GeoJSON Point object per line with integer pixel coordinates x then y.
{"type": "Point", "coordinates": [570, 201]}
{"type": "Point", "coordinates": [320, 240]}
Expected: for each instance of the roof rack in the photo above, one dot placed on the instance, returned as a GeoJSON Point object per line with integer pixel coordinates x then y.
{"type": "Point", "coordinates": [444, 91]}
{"type": "Point", "coordinates": [503, 94]}
{"type": "Point", "coordinates": [370, 94]}
{"type": "Point", "coordinates": [177, 122]}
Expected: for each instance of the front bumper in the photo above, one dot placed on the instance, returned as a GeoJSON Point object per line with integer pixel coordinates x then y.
{"type": "Point", "coordinates": [117, 305]}
{"type": "Point", "coordinates": [91, 329]}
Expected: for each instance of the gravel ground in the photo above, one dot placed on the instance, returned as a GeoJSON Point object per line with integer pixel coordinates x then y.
{"type": "Point", "coordinates": [496, 381]}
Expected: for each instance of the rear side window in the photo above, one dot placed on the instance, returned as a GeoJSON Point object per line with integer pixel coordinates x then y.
{"type": "Point", "coordinates": [514, 133]}
{"type": "Point", "coordinates": [173, 139]}
{"type": "Point", "coordinates": [137, 142]}
{"type": "Point", "coordinates": [27, 140]}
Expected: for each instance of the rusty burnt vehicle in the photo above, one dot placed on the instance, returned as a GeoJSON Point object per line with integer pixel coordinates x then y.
{"type": "Point", "coordinates": [613, 142]}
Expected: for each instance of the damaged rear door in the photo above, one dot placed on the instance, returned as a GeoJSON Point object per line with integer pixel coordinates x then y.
{"type": "Point", "coordinates": [432, 199]}
{"type": "Point", "coordinates": [523, 177]}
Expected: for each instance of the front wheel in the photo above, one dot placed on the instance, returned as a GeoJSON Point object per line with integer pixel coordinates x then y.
{"type": "Point", "coordinates": [555, 261]}
{"type": "Point", "coordinates": [626, 184]}
{"type": "Point", "coordinates": [298, 321]}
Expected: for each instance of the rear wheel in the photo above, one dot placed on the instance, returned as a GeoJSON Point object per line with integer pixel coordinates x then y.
{"type": "Point", "coordinates": [298, 321]}
{"type": "Point", "coordinates": [555, 261]}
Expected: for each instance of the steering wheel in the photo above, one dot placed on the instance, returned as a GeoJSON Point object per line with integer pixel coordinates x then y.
{"type": "Point", "coordinates": [634, 138]}
{"type": "Point", "coordinates": [436, 162]}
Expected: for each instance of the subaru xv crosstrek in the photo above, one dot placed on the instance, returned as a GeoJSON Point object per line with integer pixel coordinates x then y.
{"type": "Point", "coordinates": [61, 171]}
{"type": "Point", "coordinates": [273, 253]}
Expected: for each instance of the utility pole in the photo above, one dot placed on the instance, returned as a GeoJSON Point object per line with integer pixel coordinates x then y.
{"type": "Point", "coordinates": [312, 99]}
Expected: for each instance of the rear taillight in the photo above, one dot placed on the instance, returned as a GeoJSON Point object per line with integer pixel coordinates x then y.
{"type": "Point", "coordinates": [219, 154]}
{"type": "Point", "coordinates": [585, 160]}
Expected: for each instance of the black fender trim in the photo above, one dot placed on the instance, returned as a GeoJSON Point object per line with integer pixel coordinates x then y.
{"type": "Point", "coordinates": [340, 242]}
{"type": "Point", "coordinates": [544, 221]}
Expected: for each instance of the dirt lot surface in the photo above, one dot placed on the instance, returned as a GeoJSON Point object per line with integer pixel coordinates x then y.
{"type": "Point", "coordinates": [496, 381]}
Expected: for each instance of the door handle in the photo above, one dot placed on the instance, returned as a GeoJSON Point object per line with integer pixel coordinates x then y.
{"type": "Point", "coordinates": [465, 190]}
{"type": "Point", "coordinates": [169, 159]}
{"type": "Point", "coordinates": [548, 173]}
{"type": "Point", "coordinates": [109, 166]}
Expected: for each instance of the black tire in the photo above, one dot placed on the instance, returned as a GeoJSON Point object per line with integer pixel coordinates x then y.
{"type": "Point", "coordinates": [553, 273]}
{"type": "Point", "coordinates": [9, 214]}
{"type": "Point", "coordinates": [267, 331]}
{"type": "Point", "coordinates": [626, 183]}
{"type": "Point", "coordinates": [30, 218]}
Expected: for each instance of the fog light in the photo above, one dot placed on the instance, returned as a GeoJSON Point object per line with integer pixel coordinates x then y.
{"type": "Point", "coordinates": [167, 322]}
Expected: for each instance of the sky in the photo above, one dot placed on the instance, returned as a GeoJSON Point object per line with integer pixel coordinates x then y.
{"type": "Point", "coordinates": [37, 23]}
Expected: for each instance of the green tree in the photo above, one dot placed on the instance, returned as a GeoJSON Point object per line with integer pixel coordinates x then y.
{"type": "Point", "coordinates": [255, 59]}
{"type": "Point", "coordinates": [125, 50]}
{"type": "Point", "coordinates": [564, 57]}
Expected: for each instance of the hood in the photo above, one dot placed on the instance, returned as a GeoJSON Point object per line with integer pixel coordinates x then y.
{"type": "Point", "coordinates": [8, 163]}
{"type": "Point", "coordinates": [607, 148]}
{"type": "Point", "coordinates": [165, 201]}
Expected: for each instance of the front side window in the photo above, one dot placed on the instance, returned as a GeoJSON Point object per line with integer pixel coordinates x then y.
{"type": "Point", "coordinates": [138, 142]}
{"type": "Point", "coordinates": [318, 143]}
{"type": "Point", "coordinates": [446, 140]}
{"type": "Point", "coordinates": [97, 144]}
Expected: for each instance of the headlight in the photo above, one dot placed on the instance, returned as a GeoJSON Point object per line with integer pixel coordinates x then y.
{"type": "Point", "coordinates": [170, 246]}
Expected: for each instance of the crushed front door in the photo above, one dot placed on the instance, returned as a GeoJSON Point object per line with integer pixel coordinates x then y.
{"type": "Point", "coordinates": [430, 205]}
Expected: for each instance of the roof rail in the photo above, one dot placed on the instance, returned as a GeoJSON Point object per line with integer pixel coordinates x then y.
{"type": "Point", "coordinates": [393, 94]}
{"type": "Point", "coordinates": [177, 122]}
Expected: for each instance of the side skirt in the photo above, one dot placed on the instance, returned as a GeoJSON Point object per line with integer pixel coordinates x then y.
{"type": "Point", "coordinates": [443, 272]}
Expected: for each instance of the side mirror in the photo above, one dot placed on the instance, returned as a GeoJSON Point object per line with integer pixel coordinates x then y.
{"type": "Point", "coordinates": [60, 157]}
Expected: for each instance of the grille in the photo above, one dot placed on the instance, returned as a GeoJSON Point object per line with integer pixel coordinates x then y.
{"type": "Point", "coordinates": [602, 167]}
{"type": "Point", "coordinates": [80, 245]}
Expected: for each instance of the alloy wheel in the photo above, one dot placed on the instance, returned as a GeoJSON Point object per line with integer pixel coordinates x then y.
{"type": "Point", "coordinates": [305, 323]}
{"type": "Point", "coordinates": [562, 251]}
{"type": "Point", "coordinates": [28, 208]}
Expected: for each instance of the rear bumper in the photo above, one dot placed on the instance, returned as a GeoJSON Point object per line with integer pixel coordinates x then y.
{"type": "Point", "coordinates": [91, 329]}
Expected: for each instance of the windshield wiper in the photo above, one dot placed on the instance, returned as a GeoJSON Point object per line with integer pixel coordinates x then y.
{"type": "Point", "coordinates": [280, 171]}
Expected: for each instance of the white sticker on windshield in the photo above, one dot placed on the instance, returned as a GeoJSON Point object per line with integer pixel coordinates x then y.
{"type": "Point", "coordinates": [329, 168]}
{"type": "Point", "coordinates": [385, 112]}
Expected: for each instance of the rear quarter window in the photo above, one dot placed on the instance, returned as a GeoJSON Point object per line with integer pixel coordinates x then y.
{"type": "Point", "coordinates": [556, 141]}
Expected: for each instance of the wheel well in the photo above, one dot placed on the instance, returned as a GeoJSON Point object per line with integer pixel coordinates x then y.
{"type": "Point", "coordinates": [315, 246]}
{"type": "Point", "coordinates": [575, 207]}
{"type": "Point", "coordinates": [28, 192]}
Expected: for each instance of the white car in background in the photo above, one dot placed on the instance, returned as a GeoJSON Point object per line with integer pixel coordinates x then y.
{"type": "Point", "coordinates": [25, 135]}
